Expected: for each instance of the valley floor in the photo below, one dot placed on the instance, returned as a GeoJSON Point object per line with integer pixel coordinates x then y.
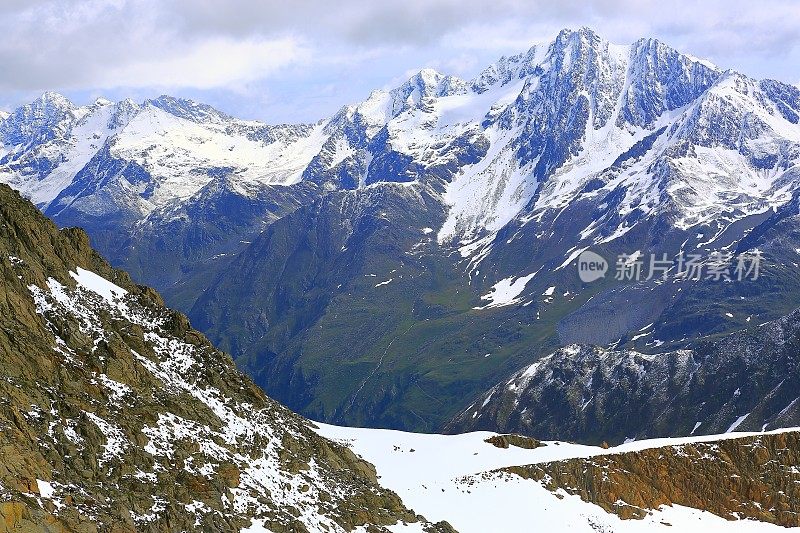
{"type": "Point", "coordinates": [454, 478]}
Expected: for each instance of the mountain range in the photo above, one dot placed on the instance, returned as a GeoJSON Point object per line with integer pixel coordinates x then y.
{"type": "Point", "coordinates": [389, 265]}
{"type": "Point", "coordinates": [116, 415]}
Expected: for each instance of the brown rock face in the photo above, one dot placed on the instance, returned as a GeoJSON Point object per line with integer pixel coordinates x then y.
{"type": "Point", "coordinates": [115, 415]}
{"type": "Point", "coordinates": [504, 441]}
{"type": "Point", "coordinates": [751, 477]}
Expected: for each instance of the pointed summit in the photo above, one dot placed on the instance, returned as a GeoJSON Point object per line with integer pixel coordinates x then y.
{"type": "Point", "coordinates": [567, 44]}
{"type": "Point", "coordinates": [39, 121]}
{"type": "Point", "coordinates": [430, 82]}
{"type": "Point", "coordinates": [662, 79]}
{"type": "Point", "coordinates": [100, 101]}
{"type": "Point", "coordinates": [52, 99]}
{"type": "Point", "coordinates": [571, 35]}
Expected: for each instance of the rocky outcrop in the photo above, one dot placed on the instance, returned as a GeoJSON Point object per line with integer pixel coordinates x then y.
{"type": "Point", "coordinates": [754, 477]}
{"type": "Point", "coordinates": [504, 441]}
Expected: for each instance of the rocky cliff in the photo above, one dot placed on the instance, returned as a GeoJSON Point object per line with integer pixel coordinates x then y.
{"type": "Point", "coordinates": [748, 478]}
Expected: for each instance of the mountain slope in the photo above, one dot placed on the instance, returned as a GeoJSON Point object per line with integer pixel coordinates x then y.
{"type": "Point", "coordinates": [713, 483]}
{"type": "Point", "coordinates": [742, 381]}
{"type": "Point", "coordinates": [117, 415]}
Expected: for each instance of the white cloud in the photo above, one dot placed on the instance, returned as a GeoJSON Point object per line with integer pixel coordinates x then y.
{"type": "Point", "coordinates": [217, 62]}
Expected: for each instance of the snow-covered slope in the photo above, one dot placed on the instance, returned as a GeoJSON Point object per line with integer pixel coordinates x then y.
{"type": "Point", "coordinates": [47, 142]}
{"type": "Point", "coordinates": [460, 478]}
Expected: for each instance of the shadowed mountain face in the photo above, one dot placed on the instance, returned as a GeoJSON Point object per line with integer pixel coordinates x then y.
{"type": "Point", "coordinates": [745, 381]}
{"type": "Point", "coordinates": [117, 415]}
{"type": "Point", "coordinates": [387, 265]}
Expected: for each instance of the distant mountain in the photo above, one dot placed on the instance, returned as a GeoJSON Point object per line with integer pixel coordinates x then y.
{"type": "Point", "coordinates": [132, 174]}
{"type": "Point", "coordinates": [744, 381]}
{"type": "Point", "coordinates": [116, 415]}
{"type": "Point", "coordinates": [387, 265]}
{"type": "Point", "coordinates": [161, 151]}
{"type": "Point", "coordinates": [391, 304]}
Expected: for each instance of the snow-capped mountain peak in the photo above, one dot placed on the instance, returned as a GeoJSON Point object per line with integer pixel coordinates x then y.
{"type": "Point", "coordinates": [47, 116]}
{"type": "Point", "coordinates": [429, 83]}
{"type": "Point", "coordinates": [579, 73]}
{"type": "Point", "coordinates": [53, 100]}
{"type": "Point", "coordinates": [54, 151]}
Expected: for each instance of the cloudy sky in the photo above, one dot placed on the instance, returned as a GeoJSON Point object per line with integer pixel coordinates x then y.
{"type": "Point", "coordinates": [299, 61]}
